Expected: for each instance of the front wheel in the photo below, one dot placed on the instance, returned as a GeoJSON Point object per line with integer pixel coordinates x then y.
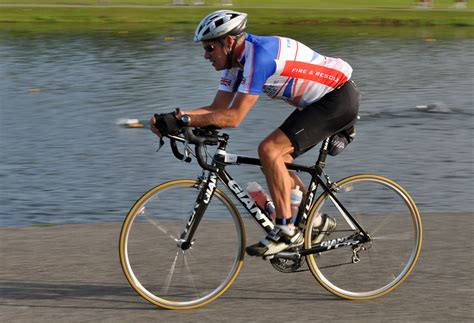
{"type": "Point", "coordinates": [155, 264]}
{"type": "Point", "coordinates": [387, 213]}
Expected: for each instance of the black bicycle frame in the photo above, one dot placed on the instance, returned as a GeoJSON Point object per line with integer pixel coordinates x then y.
{"type": "Point", "coordinates": [223, 159]}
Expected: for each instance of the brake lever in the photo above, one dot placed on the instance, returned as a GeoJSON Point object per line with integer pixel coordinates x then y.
{"type": "Point", "coordinates": [186, 152]}
{"type": "Point", "coordinates": [162, 142]}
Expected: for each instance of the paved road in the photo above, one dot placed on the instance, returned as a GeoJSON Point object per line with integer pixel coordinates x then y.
{"type": "Point", "coordinates": [72, 273]}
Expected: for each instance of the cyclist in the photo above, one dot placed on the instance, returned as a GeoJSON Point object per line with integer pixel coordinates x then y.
{"type": "Point", "coordinates": [318, 86]}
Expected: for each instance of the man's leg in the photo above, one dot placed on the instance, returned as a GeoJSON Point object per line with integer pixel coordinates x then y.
{"type": "Point", "coordinates": [274, 151]}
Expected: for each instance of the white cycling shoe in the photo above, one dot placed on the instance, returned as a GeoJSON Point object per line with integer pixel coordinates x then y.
{"type": "Point", "coordinates": [328, 225]}
{"type": "Point", "coordinates": [279, 239]}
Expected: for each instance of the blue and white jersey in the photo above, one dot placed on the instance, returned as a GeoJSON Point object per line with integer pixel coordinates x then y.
{"type": "Point", "coordinates": [284, 68]}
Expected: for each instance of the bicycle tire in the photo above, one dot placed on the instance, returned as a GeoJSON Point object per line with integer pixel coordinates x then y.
{"type": "Point", "coordinates": [389, 215]}
{"type": "Point", "coordinates": [158, 269]}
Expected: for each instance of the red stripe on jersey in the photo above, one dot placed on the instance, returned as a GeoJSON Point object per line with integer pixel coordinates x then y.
{"type": "Point", "coordinates": [316, 73]}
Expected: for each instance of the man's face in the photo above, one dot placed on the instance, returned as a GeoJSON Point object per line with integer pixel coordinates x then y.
{"type": "Point", "coordinates": [215, 53]}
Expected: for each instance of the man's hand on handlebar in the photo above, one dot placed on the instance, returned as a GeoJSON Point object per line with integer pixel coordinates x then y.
{"type": "Point", "coordinates": [153, 128]}
{"type": "Point", "coordinates": [165, 124]}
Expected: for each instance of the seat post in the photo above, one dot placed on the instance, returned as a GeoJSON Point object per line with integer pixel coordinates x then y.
{"type": "Point", "coordinates": [323, 153]}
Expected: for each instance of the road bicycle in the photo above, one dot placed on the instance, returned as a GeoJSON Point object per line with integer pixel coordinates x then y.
{"type": "Point", "coordinates": [182, 243]}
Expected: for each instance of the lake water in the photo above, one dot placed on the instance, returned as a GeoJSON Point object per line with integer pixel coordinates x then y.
{"type": "Point", "coordinates": [64, 159]}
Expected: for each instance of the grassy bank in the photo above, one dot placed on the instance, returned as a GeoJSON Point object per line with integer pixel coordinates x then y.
{"type": "Point", "coordinates": [265, 16]}
{"type": "Point", "coordinates": [321, 4]}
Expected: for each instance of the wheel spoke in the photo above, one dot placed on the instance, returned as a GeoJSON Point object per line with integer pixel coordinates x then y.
{"type": "Point", "coordinates": [372, 263]}
{"type": "Point", "coordinates": [155, 223]}
{"type": "Point", "coordinates": [380, 225]}
{"type": "Point", "coordinates": [394, 236]}
{"type": "Point", "coordinates": [190, 274]}
{"type": "Point", "coordinates": [169, 277]}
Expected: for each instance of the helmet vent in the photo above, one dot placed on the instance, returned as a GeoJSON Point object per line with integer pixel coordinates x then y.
{"type": "Point", "coordinates": [219, 22]}
{"type": "Point", "coordinates": [211, 18]}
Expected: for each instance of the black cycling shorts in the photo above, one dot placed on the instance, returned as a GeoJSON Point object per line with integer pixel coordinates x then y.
{"type": "Point", "coordinates": [334, 112]}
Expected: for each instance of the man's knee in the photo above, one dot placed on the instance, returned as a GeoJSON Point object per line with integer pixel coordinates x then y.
{"type": "Point", "coordinates": [266, 150]}
{"type": "Point", "coordinates": [276, 145]}
{"type": "Point", "coordinates": [270, 151]}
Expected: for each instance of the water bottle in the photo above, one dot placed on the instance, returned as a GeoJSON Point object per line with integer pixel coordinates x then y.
{"type": "Point", "coordinates": [261, 198]}
{"type": "Point", "coordinates": [295, 200]}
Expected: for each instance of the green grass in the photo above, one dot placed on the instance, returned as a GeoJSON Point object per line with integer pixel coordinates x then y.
{"type": "Point", "coordinates": [257, 16]}
{"type": "Point", "coordinates": [373, 17]}
{"type": "Point", "coordinates": [387, 4]}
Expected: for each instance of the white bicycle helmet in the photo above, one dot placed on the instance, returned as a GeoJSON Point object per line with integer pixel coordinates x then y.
{"type": "Point", "coordinates": [220, 23]}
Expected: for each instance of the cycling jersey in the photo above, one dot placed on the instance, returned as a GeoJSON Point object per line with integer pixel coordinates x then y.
{"type": "Point", "coordinates": [284, 68]}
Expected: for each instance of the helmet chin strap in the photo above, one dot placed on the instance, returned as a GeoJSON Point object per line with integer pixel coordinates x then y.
{"type": "Point", "coordinates": [230, 55]}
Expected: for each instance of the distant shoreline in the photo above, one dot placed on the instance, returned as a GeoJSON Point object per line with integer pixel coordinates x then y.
{"type": "Point", "coordinates": [261, 19]}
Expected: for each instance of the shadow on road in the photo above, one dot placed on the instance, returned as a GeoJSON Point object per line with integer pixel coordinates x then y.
{"type": "Point", "coordinates": [65, 293]}
{"type": "Point", "coordinates": [113, 296]}
{"type": "Point", "coordinates": [280, 293]}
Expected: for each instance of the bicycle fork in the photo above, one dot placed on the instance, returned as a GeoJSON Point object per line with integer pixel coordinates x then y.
{"type": "Point", "coordinates": [207, 189]}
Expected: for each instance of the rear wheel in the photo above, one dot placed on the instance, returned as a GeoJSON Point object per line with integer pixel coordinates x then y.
{"type": "Point", "coordinates": [151, 256]}
{"type": "Point", "coordinates": [390, 217]}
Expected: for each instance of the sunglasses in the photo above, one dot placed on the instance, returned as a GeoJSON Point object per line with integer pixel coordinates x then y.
{"type": "Point", "coordinates": [209, 48]}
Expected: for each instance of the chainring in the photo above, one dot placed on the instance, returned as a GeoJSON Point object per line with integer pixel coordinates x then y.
{"type": "Point", "coordinates": [287, 265]}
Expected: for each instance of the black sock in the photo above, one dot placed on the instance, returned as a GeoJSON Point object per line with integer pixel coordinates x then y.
{"type": "Point", "coordinates": [283, 221]}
